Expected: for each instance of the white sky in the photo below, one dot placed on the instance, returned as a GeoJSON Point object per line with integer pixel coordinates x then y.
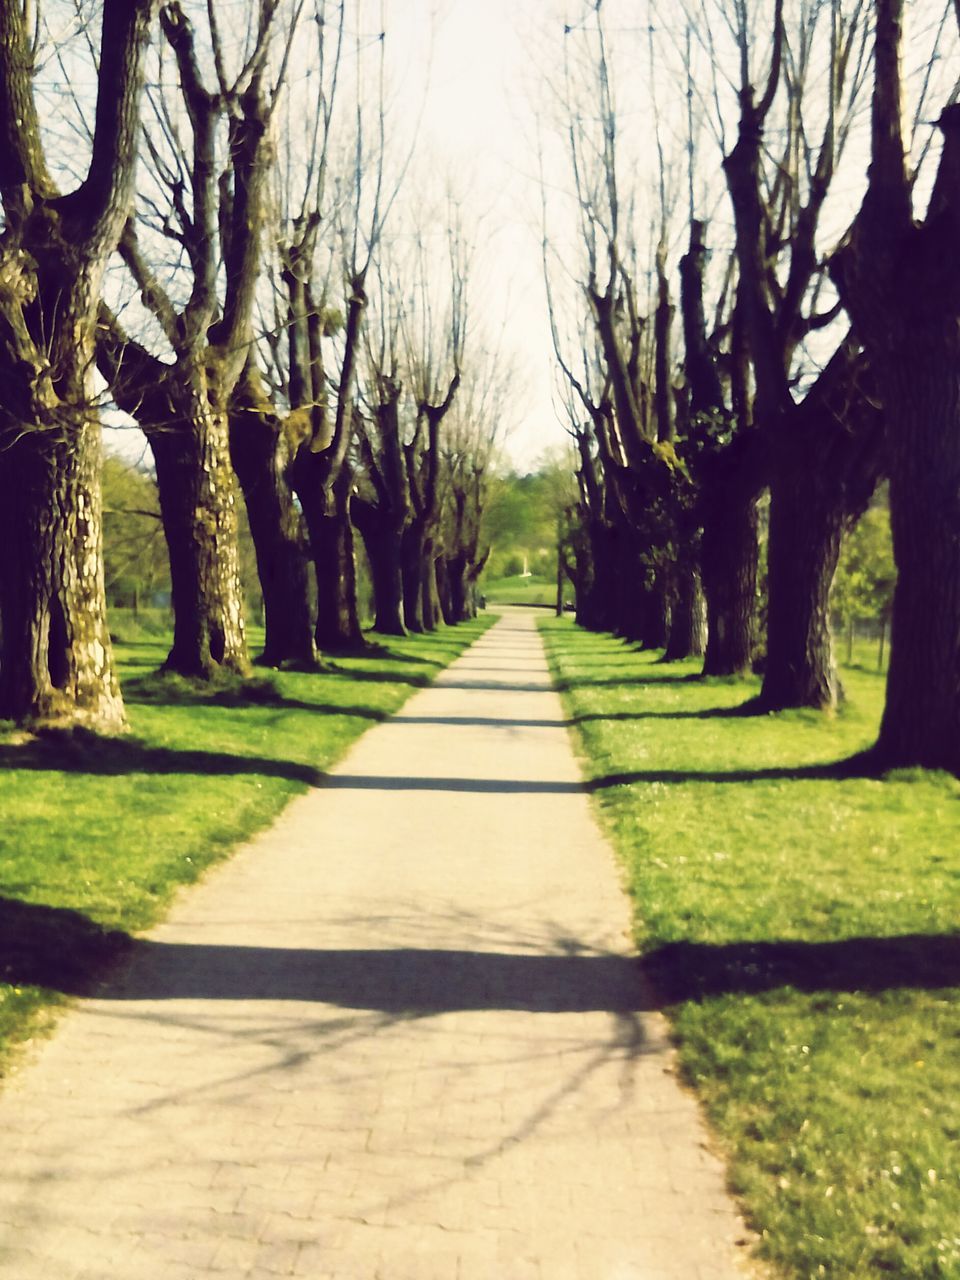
{"type": "Point", "coordinates": [478, 122]}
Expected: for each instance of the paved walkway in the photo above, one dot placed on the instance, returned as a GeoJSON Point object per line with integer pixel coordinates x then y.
{"type": "Point", "coordinates": [398, 1036]}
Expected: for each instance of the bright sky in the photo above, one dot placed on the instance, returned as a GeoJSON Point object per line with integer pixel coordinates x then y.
{"type": "Point", "coordinates": [479, 122]}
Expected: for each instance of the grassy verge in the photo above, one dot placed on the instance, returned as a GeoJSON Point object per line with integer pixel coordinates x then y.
{"type": "Point", "coordinates": [519, 590]}
{"type": "Point", "coordinates": [802, 927]}
{"type": "Point", "coordinates": [98, 835]}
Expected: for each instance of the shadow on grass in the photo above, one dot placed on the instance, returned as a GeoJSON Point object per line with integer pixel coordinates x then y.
{"type": "Point", "coordinates": [53, 947]}
{"type": "Point", "coordinates": [858, 766]}
{"type": "Point", "coordinates": [565, 684]}
{"type": "Point", "coordinates": [87, 753]}
{"type": "Point", "coordinates": [151, 691]}
{"type": "Point", "coordinates": [708, 713]}
{"type": "Point", "coordinates": [682, 971]}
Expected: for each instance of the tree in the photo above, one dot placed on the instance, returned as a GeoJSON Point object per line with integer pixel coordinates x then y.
{"type": "Point", "coordinates": [823, 443]}
{"type": "Point", "coordinates": [56, 662]}
{"type": "Point", "coordinates": [207, 199]}
{"type": "Point", "coordinates": [135, 561]}
{"type": "Point", "coordinates": [865, 578]}
{"type": "Point", "coordinates": [898, 278]}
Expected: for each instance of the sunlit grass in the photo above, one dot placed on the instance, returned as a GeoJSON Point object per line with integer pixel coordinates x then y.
{"type": "Point", "coordinates": [98, 836]}
{"type": "Point", "coordinates": [802, 925]}
{"type": "Point", "coordinates": [520, 590]}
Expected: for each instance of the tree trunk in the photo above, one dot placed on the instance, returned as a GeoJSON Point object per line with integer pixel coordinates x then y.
{"type": "Point", "coordinates": [444, 590]}
{"type": "Point", "coordinates": [432, 612]}
{"type": "Point", "coordinates": [197, 493]}
{"type": "Point", "coordinates": [653, 609]}
{"type": "Point", "coordinates": [921, 719]}
{"type": "Point", "coordinates": [331, 543]}
{"type": "Point", "coordinates": [461, 585]}
{"type": "Point", "coordinates": [260, 456]}
{"type": "Point", "coordinates": [806, 528]}
{"type": "Point", "coordinates": [56, 662]}
{"type": "Point", "coordinates": [729, 556]}
{"type": "Point", "coordinates": [382, 540]}
{"type": "Point", "coordinates": [687, 619]}
{"type": "Point", "coordinates": [900, 283]}
{"type": "Point", "coordinates": [411, 552]}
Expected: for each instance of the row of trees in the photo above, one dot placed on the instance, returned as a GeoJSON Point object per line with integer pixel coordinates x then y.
{"type": "Point", "coordinates": [812, 353]}
{"type": "Point", "coordinates": [242, 305]}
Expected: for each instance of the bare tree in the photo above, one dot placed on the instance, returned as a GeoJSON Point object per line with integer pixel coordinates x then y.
{"type": "Point", "coordinates": [434, 333]}
{"type": "Point", "coordinates": [477, 425]}
{"type": "Point", "coordinates": [326, 276]}
{"type": "Point", "coordinates": [280, 401]}
{"type": "Point", "coordinates": [823, 445]}
{"type": "Point", "coordinates": [898, 278]}
{"type": "Point", "coordinates": [207, 200]}
{"type": "Point", "coordinates": [56, 662]}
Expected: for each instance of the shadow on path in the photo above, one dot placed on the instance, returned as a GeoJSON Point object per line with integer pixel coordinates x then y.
{"type": "Point", "coordinates": [67, 952]}
{"type": "Point", "coordinates": [491, 786]}
{"type": "Point", "coordinates": [416, 981]}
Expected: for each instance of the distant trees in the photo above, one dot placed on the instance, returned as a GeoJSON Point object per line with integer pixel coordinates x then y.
{"type": "Point", "coordinates": [791, 366]}
{"type": "Point", "coordinates": [232, 328]}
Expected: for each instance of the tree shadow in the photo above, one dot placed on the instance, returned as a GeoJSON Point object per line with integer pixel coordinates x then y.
{"type": "Point", "coordinates": [483, 786]}
{"type": "Point", "coordinates": [565, 683]}
{"type": "Point", "coordinates": [394, 981]}
{"type": "Point", "coordinates": [54, 947]}
{"type": "Point", "coordinates": [862, 765]}
{"type": "Point", "coordinates": [682, 971]}
{"type": "Point", "coordinates": [81, 752]}
{"type": "Point", "coordinates": [381, 677]}
{"type": "Point", "coordinates": [65, 951]}
{"type": "Point", "coordinates": [707, 713]}
{"type": "Point", "coordinates": [502, 686]}
{"type": "Point", "coordinates": [492, 722]}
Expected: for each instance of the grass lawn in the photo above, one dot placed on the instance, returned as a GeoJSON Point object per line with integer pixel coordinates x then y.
{"type": "Point", "coordinates": [98, 835]}
{"type": "Point", "coordinates": [803, 928]}
{"type": "Point", "coordinates": [520, 590]}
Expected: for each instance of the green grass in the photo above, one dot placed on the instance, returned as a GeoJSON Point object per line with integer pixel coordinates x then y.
{"type": "Point", "coordinates": [801, 925]}
{"type": "Point", "coordinates": [98, 835]}
{"type": "Point", "coordinates": [520, 590]}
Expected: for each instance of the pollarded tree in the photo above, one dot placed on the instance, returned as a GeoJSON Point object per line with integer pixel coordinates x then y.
{"type": "Point", "coordinates": [281, 400]}
{"type": "Point", "coordinates": [56, 662]}
{"type": "Point", "coordinates": [210, 151]}
{"type": "Point", "coordinates": [381, 506]}
{"type": "Point", "coordinates": [434, 332]}
{"type": "Point", "coordinates": [821, 432]}
{"type": "Point", "coordinates": [477, 425]}
{"type": "Point", "coordinates": [899, 279]}
{"type": "Point", "coordinates": [725, 457]}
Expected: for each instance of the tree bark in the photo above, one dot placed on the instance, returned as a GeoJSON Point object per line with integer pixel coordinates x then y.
{"type": "Point", "coordinates": [261, 454]}
{"type": "Point", "coordinates": [901, 285]}
{"type": "Point", "coordinates": [382, 538]}
{"type": "Point", "coordinates": [687, 638]}
{"type": "Point", "coordinates": [921, 719]}
{"type": "Point", "coordinates": [432, 611]}
{"type": "Point", "coordinates": [197, 493]}
{"type": "Point", "coordinates": [806, 527]}
{"type": "Point", "coordinates": [338, 627]}
{"type": "Point", "coordinates": [56, 662]}
{"type": "Point", "coordinates": [826, 462]}
{"type": "Point", "coordinates": [729, 557]}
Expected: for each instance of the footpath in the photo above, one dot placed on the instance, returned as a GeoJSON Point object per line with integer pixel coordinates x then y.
{"type": "Point", "coordinates": [400, 1036]}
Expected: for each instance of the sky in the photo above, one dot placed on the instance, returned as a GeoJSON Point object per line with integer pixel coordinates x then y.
{"type": "Point", "coordinates": [478, 120]}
